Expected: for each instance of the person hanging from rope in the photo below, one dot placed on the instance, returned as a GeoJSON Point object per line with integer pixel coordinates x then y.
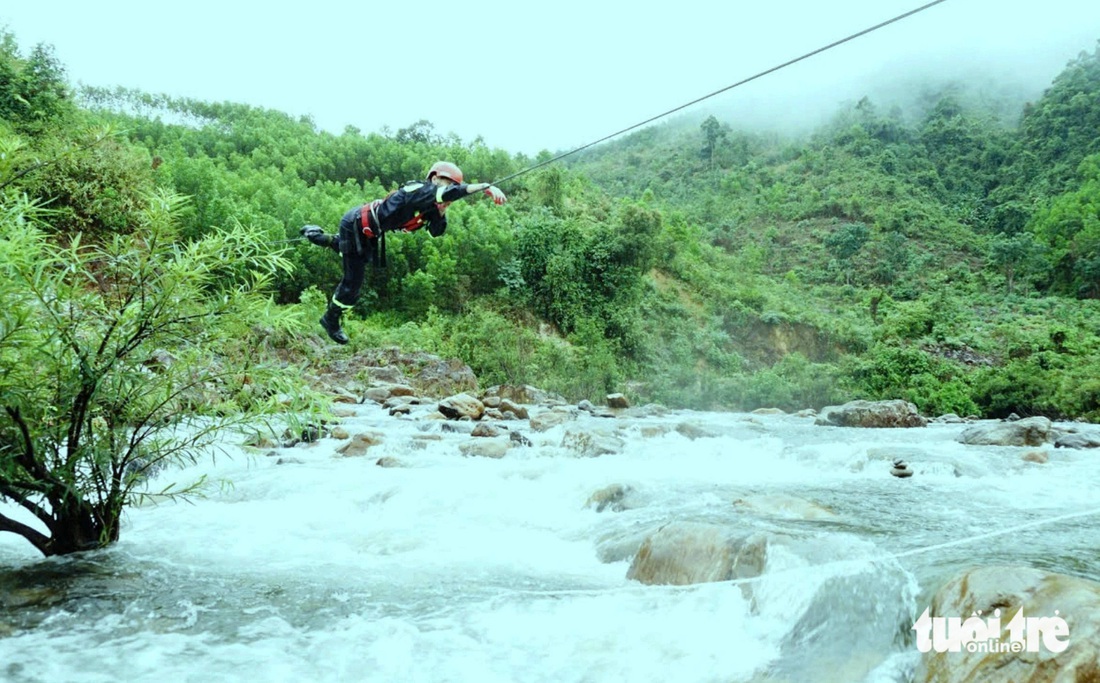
{"type": "Point", "coordinates": [362, 232]}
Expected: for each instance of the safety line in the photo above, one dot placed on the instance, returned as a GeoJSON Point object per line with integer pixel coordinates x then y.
{"type": "Point", "coordinates": [855, 566]}
{"type": "Point", "coordinates": [728, 87]}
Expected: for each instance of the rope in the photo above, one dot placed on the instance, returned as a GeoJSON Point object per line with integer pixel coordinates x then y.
{"type": "Point", "coordinates": [854, 566]}
{"type": "Point", "coordinates": [728, 87]}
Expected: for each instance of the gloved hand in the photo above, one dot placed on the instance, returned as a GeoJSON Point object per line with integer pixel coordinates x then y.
{"type": "Point", "coordinates": [496, 194]}
{"type": "Point", "coordinates": [311, 232]}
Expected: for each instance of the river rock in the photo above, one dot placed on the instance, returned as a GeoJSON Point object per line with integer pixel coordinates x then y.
{"type": "Point", "coordinates": [785, 506]}
{"type": "Point", "coordinates": [462, 405]}
{"type": "Point", "coordinates": [359, 445]}
{"type": "Point", "coordinates": [485, 429]}
{"type": "Point", "coordinates": [609, 498]}
{"type": "Point", "coordinates": [872, 414]}
{"type": "Point", "coordinates": [1039, 594]}
{"type": "Point", "coordinates": [617, 401]}
{"type": "Point", "coordinates": [388, 374]}
{"type": "Point", "coordinates": [592, 443]}
{"type": "Point", "coordinates": [377, 394]}
{"type": "Point", "coordinates": [550, 419]}
{"type": "Point", "coordinates": [518, 411]}
{"type": "Point", "coordinates": [445, 378]}
{"type": "Point", "coordinates": [1032, 431]}
{"type": "Point", "coordinates": [683, 553]}
{"type": "Point", "coordinates": [694, 431]}
{"type": "Point", "coordinates": [485, 448]}
{"type": "Point", "coordinates": [1078, 440]}
{"type": "Point", "coordinates": [1037, 457]}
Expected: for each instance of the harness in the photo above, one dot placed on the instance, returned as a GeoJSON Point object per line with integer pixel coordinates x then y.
{"type": "Point", "coordinates": [372, 228]}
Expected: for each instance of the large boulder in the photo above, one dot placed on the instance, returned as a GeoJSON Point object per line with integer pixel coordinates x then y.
{"type": "Point", "coordinates": [461, 405]}
{"type": "Point", "coordinates": [440, 377]}
{"type": "Point", "coordinates": [1039, 594]}
{"type": "Point", "coordinates": [683, 553]}
{"type": "Point", "coordinates": [872, 414]}
{"type": "Point", "coordinates": [1033, 431]}
{"type": "Point", "coordinates": [592, 443]}
{"type": "Point", "coordinates": [550, 419]}
{"type": "Point", "coordinates": [1089, 439]}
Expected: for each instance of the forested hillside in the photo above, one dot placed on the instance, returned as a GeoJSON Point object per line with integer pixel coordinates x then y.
{"type": "Point", "coordinates": [951, 258]}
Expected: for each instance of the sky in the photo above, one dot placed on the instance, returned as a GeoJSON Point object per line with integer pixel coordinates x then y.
{"type": "Point", "coordinates": [527, 76]}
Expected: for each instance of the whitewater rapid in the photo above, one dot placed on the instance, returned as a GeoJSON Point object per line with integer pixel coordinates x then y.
{"type": "Point", "coordinates": [301, 564]}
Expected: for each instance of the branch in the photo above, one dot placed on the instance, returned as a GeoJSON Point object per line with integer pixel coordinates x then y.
{"type": "Point", "coordinates": [26, 457]}
{"type": "Point", "coordinates": [8, 491]}
{"type": "Point", "coordinates": [37, 538]}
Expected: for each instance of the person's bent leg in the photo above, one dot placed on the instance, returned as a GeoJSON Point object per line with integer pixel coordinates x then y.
{"type": "Point", "coordinates": [347, 292]}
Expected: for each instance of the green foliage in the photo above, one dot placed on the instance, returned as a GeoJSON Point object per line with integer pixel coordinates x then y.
{"type": "Point", "coordinates": [33, 92]}
{"type": "Point", "coordinates": [106, 360]}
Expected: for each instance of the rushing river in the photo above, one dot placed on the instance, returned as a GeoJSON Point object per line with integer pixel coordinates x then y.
{"type": "Point", "coordinates": [311, 566]}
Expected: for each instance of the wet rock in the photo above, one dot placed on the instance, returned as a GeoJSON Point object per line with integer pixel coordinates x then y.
{"type": "Point", "coordinates": [785, 506]}
{"type": "Point", "coordinates": [306, 434]}
{"type": "Point", "coordinates": [399, 402]}
{"type": "Point", "coordinates": [808, 412]}
{"type": "Point", "coordinates": [344, 396]}
{"type": "Point", "coordinates": [401, 390]}
{"type": "Point", "coordinates": [653, 431]}
{"type": "Point", "coordinates": [694, 431]}
{"type": "Point", "coordinates": [485, 448]}
{"type": "Point", "coordinates": [592, 443]}
{"type": "Point", "coordinates": [517, 438]}
{"type": "Point", "coordinates": [683, 553]}
{"type": "Point", "coordinates": [359, 445]}
{"type": "Point", "coordinates": [648, 410]}
{"type": "Point", "coordinates": [617, 401]}
{"type": "Point", "coordinates": [519, 412]}
{"type": "Point", "coordinates": [1078, 440]}
{"type": "Point", "coordinates": [491, 401]}
{"type": "Point", "coordinates": [485, 429]}
{"type": "Point", "coordinates": [290, 461]}
{"type": "Point", "coordinates": [1038, 594]}
{"type": "Point", "coordinates": [339, 433]}
{"type": "Point", "coordinates": [260, 441]}
{"type": "Point", "coordinates": [769, 411]}
{"type": "Point", "coordinates": [587, 406]}
{"type": "Point", "coordinates": [550, 419]}
{"type": "Point", "coordinates": [1032, 431]}
{"type": "Point", "coordinates": [949, 419]}
{"type": "Point", "coordinates": [404, 409]}
{"type": "Point", "coordinates": [492, 414]}
{"type": "Point", "coordinates": [445, 378]}
{"type": "Point", "coordinates": [1037, 457]}
{"type": "Point", "coordinates": [901, 469]}
{"type": "Point", "coordinates": [344, 413]}
{"type": "Point", "coordinates": [386, 375]}
{"type": "Point", "coordinates": [389, 461]}
{"type": "Point", "coordinates": [452, 428]}
{"type": "Point", "coordinates": [872, 415]}
{"type": "Point", "coordinates": [462, 405]}
{"type": "Point", "coordinates": [377, 394]}
{"type": "Point", "coordinates": [609, 498]}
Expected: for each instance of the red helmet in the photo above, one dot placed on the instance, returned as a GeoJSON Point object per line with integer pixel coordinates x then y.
{"type": "Point", "coordinates": [445, 169]}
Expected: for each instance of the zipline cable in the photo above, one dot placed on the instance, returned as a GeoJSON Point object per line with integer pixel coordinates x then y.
{"type": "Point", "coordinates": [719, 92]}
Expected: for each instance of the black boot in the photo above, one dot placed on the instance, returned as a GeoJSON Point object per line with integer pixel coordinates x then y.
{"type": "Point", "coordinates": [331, 322]}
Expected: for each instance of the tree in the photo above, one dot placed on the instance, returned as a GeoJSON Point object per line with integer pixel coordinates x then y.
{"type": "Point", "coordinates": [845, 243]}
{"type": "Point", "coordinates": [119, 358]}
{"type": "Point", "coordinates": [713, 135]}
{"type": "Point", "coordinates": [1018, 257]}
